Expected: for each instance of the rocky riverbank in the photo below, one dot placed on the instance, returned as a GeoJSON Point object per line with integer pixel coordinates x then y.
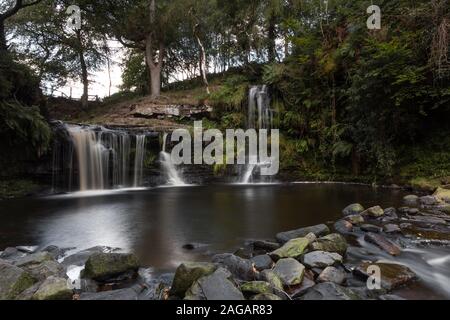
{"type": "Point", "coordinates": [326, 261]}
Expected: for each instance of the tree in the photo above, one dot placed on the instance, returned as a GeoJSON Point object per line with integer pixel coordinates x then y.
{"type": "Point", "coordinates": [8, 10]}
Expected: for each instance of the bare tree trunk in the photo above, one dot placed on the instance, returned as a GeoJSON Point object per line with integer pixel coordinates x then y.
{"type": "Point", "coordinates": [3, 44]}
{"type": "Point", "coordinates": [84, 73]}
{"type": "Point", "coordinates": [202, 60]}
{"type": "Point", "coordinates": [271, 37]}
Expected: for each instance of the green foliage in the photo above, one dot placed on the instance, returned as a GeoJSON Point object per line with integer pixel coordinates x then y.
{"type": "Point", "coordinates": [25, 133]}
{"type": "Point", "coordinates": [135, 75]}
{"type": "Point", "coordinates": [232, 93]}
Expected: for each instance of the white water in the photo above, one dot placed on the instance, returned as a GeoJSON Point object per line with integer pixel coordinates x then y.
{"type": "Point", "coordinates": [173, 177]}
{"type": "Point", "coordinates": [103, 158]}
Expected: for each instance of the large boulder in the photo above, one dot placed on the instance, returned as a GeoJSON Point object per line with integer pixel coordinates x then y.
{"type": "Point", "coordinates": [319, 230]}
{"type": "Point", "coordinates": [103, 266]}
{"type": "Point", "coordinates": [54, 288]}
{"type": "Point", "coordinates": [373, 212]}
{"type": "Point", "coordinates": [187, 273]}
{"type": "Point", "coordinates": [239, 267]}
{"type": "Point", "coordinates": [217, 286]}
{"type": "Point", "coordinates": [393, 275]}
{"type": "Point", "coordinates": [290, 271]}
{"type": "Point", "coordinates": [330, 291]}
{"type": "Point", "coordinates": [291, 249]}
{"type": "Point", "coordinates": [13, 280]}
{"type": "Point", "coordinates": [331, 243]}
{"type": "Point", "coordinates": [321, 259]}
{"type": "Point", "coordinates": [353, 209]}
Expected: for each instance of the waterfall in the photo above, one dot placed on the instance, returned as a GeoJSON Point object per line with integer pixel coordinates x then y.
{"type": "Point", "coordinates": [103, 157]}
{"type": "Point", "coordinates": [139, 160]}
{"type": "Point", "coordinates": [173, 177]}
{"type": "Point", "coordinates": [260, 116]}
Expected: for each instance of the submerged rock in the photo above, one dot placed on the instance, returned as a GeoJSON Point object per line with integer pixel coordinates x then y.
{"type": "Point", "coordinates": [330, 291]}
{"type": "Point", "coordinates": [290, 271]}
{"type": "Point", "coordinates": [331, 243]}
{"type": "Point", "coordinates": [383, 243]}
{"type": "Point", "coordinates": [54, 288]}
{"type": "Point", "coordinates": [13, 280]}
{"type": "Point", "coordinates": [373, 212]}
{"type": "Point", "coordinates": [187, 273]}
{"type": "Point", "coordinates": [292, 249]}
{"type": "Point", "coordinates": [262, 262]}
{"type": "Point", "coordinates": [332, 274]}
{"type": "Point", "coordinates": [392, 275]}
{"type": "Point", "coordinates": [321, 259]}
{"type": "Point", "coordinates": [216, 286]}
{"type": "Point", "coordinates": [318, 230]}
{"type": "Point", "coordinates": [353, 209]}
{"type": "Point", "coordinates": [239, 267]}
{"type": "Point", "coordinates": [102, 266]}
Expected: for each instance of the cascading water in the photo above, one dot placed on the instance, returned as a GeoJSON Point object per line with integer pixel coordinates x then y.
{"type": "Point", "coordinates": [173, 177]}
{"type": "Point", "coordinates": [104, 157]}
{"type": "Point", "coordinates": [260, 116]}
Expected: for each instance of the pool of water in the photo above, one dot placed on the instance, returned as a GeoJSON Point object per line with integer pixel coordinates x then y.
{"type": "Point", "coordinates": [156, 223]}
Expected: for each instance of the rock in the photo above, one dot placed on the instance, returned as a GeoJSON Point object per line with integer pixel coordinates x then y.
{"type": "Point", "coordinates": [103, 266]}
{"type": "Point", "coordinates": [413, 211]}
{"type": "Point", "coordinates": [28, 293]}
{"type": "Point", "coordinates": [54, 288]}
{"type": "Point", "coordinates": [265, 297]}
{"type": "Point", "coordinates": [56, 252]}
{"type": "Point", "coordinates": [353, 209]}
{"type": "Point", "coordinates": [262, 262]}
{"type": "Point", "coordinates": [256, 287]}
{"type": "Point", "coordinates": [411, 199]}
{"type": "Point", "coordinates": [330, 291]}
{"type": "Point", "coordinates": [331, 274]}
{"type": "Point", "coordinates": [393, 275]}
{"type": "Point", "coordinates": [34, 259]}
{"type": "Point", "coordinates": [272, 278]}
{"type": "Point", "coordinates": [80, 258]}
{"type": "Point", "coordinates": [442, 194]}
{"type": "Point", "coordinates": [265, 245]}
{"type": "Point", "coordinates": [13, 280]}
{"type": "Point", "coordinates": [429, 200]}
{"type": "Point", "coordinates": [383, 243]}
{"type": "Point", "coordinates": [291, 249]}
{"type": "Point", "coordinates": [46, 269]}
{"type": "Point", "coordinates": [27, 249]}
{"type": "Point", "coordinates": [244, 253]}
{"type": "Point", "coordinates": [371, 228]}
{"type": "Point", "coordinates": [331, 243]}
{"type": "Point", "coordinates": [373, 212]}
{"type": "Point", "coordinates": [216, 286]}
{"type": "Point", "coordinates": [240, 268]}
{"type": "Point", "coordinates": [11, 254]}
{"type": "Point", "coordinates": [187, 273]}
{"type": "Point", "coordinates": [343, 226]}
{"type": "Point", "coordinates": [127, 294]}
{"type": "Point", "coordinates": [391, 228]}
{"type": "Point", "coordinates": [290, 271]}
{"type": "Point", "coordinates": [390, 297]}
{"type": "Point", "coordinates": [318, 230]}
{"type": "Point", "coordinates": [321, 259]}
{"type": "Point", "coordinates": [355, 219]}
{"type": "Point", "coordinates": [297, 291]}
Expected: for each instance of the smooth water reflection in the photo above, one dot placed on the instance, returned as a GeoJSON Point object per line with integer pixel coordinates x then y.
{"type": "Point", "coordinates": [156, 223]}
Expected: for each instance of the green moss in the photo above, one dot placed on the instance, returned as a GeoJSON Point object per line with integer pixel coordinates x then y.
{"type": "Point", "coordinates": [24, 282]}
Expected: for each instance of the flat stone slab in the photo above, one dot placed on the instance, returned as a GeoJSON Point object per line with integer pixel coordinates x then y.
{"type": "Point", "coordinates": [383, 243]}
{"type": "Point", "coordinates": [393, 275]}
{"type": "Point", "coordinates": [319, 230]}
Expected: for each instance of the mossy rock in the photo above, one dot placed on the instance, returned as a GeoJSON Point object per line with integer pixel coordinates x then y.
{"type": "Point", "coordinates": [265, 297]}
{"type": "Point", "coordinates": [188, 273]}
{"type": "Point", "coordinates": [102, 266]}
{"type": "Point", "coordinates": [331, 243]}
{"type": "Point", "coordinates": [54, 288]}
{"type": "Point", "coordinates": [353, 209]}
{"type": "Point", "coordinates": [292, 249]}
{"type": "Point", "coordinates": [373, 212]}
{"type": "Point", "coordinates": [442, 194]}
{"type": "Point", "coordinates": [272, 278]}
{"type": "Point", "coordinates": [13, 281]}
{"type": "Point", "coordinates": [256, 287]}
